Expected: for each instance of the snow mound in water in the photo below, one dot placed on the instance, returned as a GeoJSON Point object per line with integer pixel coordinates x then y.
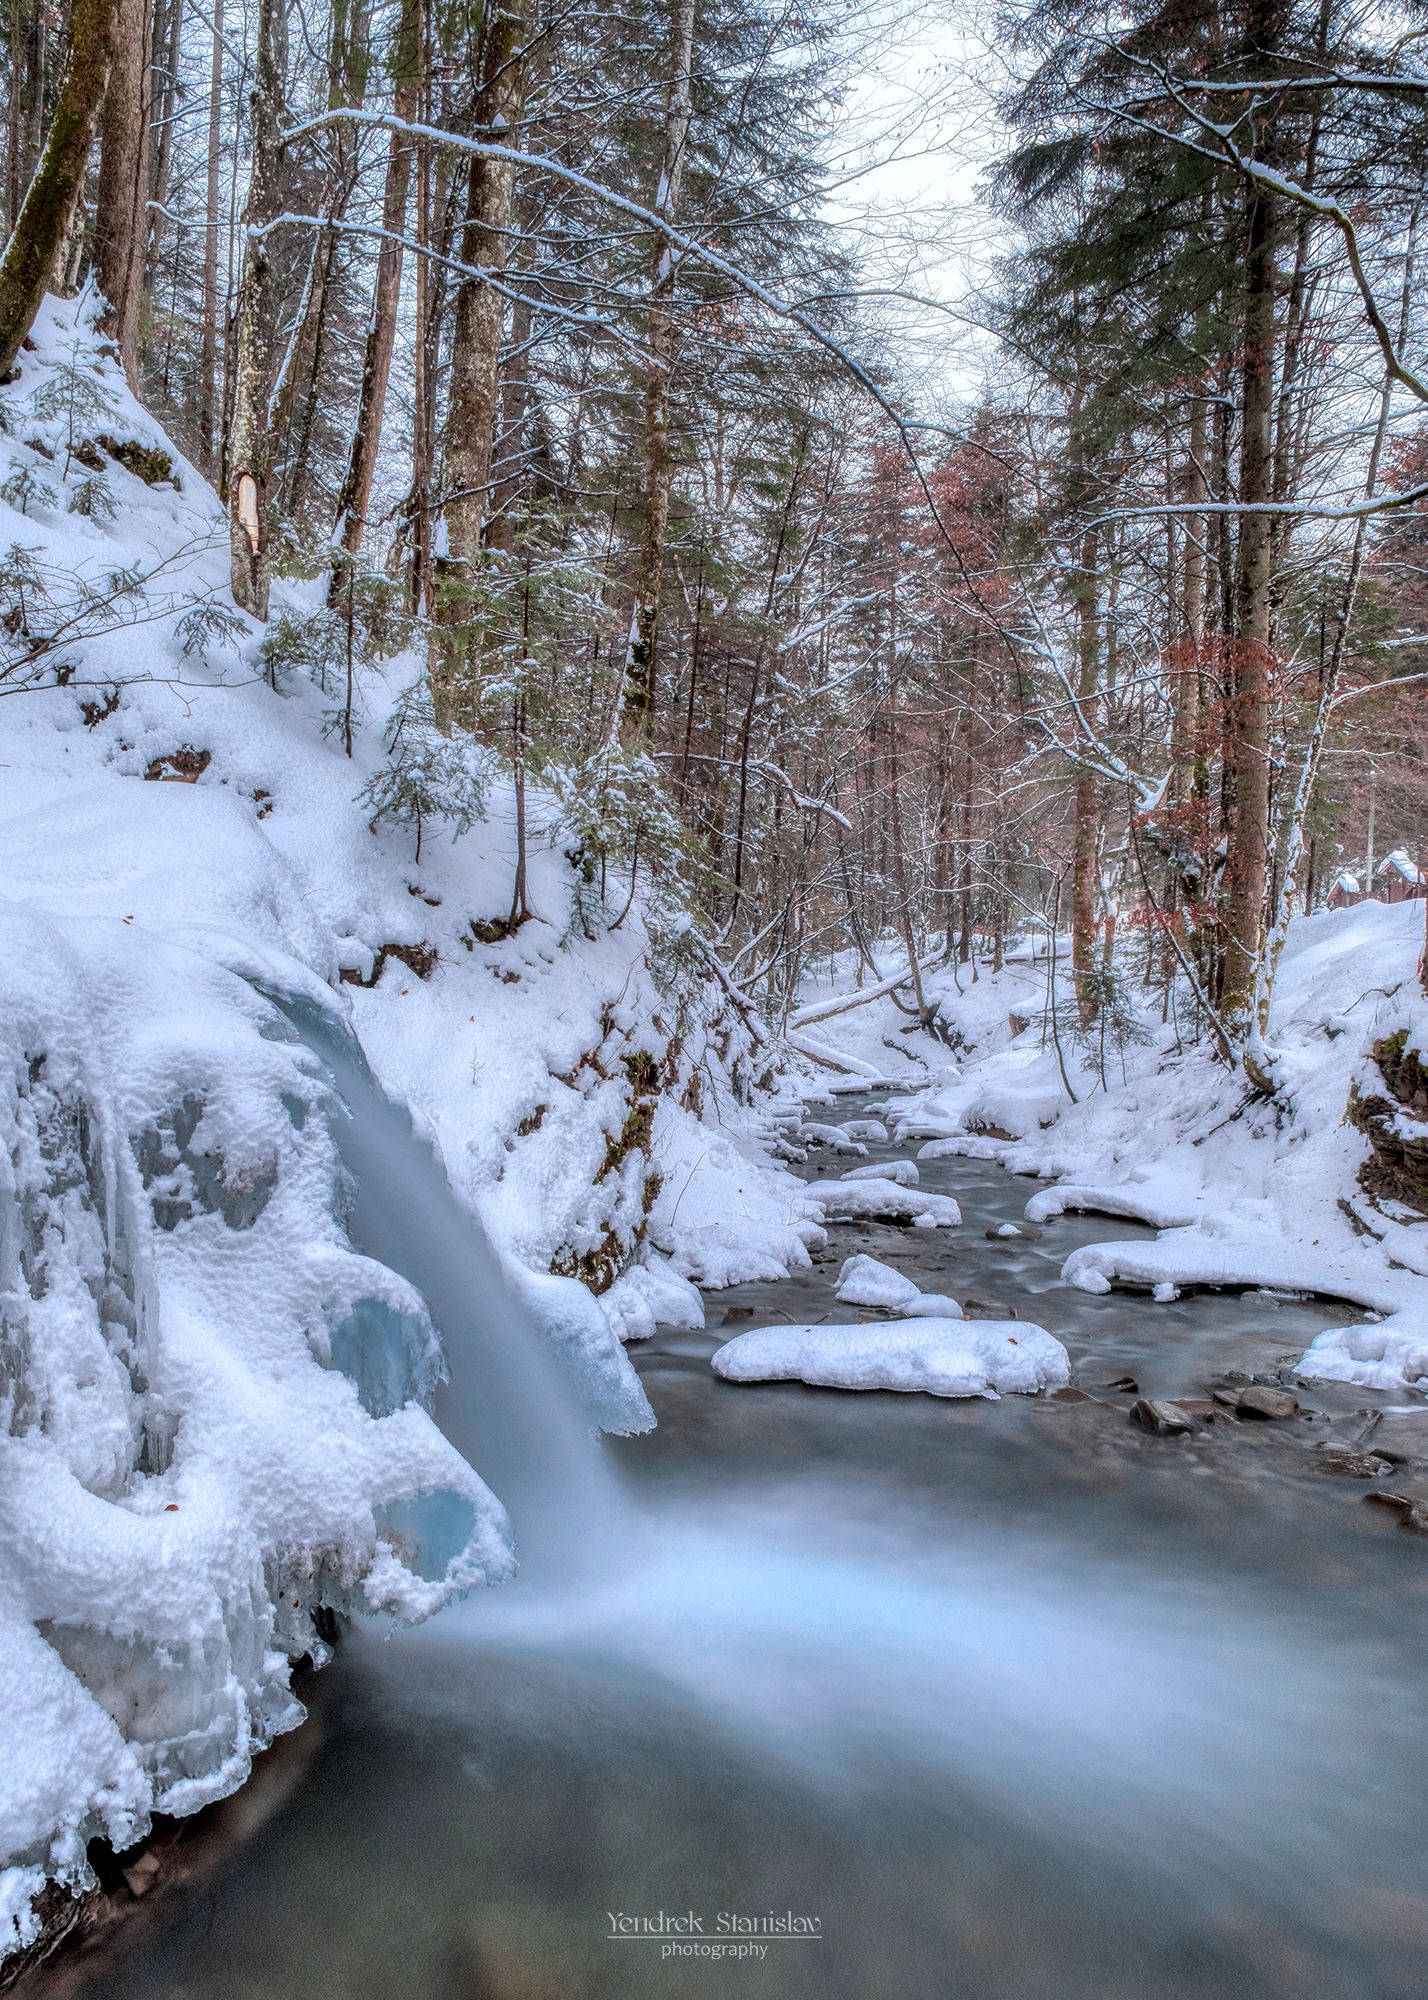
{"type": "Point", "coordinates": [866, 1281]}
{"type": "Point", "coordinates": [1393, 1356]}
{"type": "Point", "coordinates": [886, 1201]}
{"type": "Point", "coordinates": [902, 1171]}
{"type": "Point", "coordinates": [940, 1357]}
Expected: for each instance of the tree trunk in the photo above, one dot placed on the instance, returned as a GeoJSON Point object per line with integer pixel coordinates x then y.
{"type": "Point", "coordinates": [1247, 747]}
{"type": "Point", "coordinates": [382, 332]}
{"type": "Point", "coordinates": [638, 693]}
{"type": "Point", "coordinates": [210, 453]}
{"type": "Point", "coordinates": [121, 222]}
{"type": "Point", "coordinates": [1086, 831]}
{"type": "Point", "coordinates": [474, 403]}
{"type": "Point", "coordinates": [1186, 720]}
{"type": "Point", "coordinates": [423, 399]}
{"type": "Point", "coordinates": [49, 206]}
{"type": "Point", "coordinates": [167, 50]}
{"type": "Point", "coordinates": [250, 437]}
{"type": "Point", "coordinates": [15, 111]}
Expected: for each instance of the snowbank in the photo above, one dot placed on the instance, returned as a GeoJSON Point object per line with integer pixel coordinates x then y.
{"type": "Point", "coordinates": [939, 1357]}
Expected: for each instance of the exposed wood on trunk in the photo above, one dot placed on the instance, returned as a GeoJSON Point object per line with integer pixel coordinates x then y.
{"type": "Point", "coordinates": [250, 437]}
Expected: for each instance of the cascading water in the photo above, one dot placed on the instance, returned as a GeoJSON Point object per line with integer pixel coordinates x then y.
{"type": "Point", "coordinates": [510, 1406]}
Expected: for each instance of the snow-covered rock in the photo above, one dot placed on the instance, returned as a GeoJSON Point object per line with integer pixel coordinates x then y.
{"type": "Point", "coordinates": [867, 1281]}
{"type": "Point", "coordinates": [904, 1172]}
{"type": "Point", "coordinates": [939, 1357]}
{"type": "Point", "coordinates": [884, 1200]}
{"type": "Point", "coordinates": [831, 1139]}
{"type": "Point", "coordinates": [964, 1146]}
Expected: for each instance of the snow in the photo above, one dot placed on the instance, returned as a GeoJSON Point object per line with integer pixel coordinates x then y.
{"type": "Point", "coordinates": [939, 1357]}
{"type": "Point", "coordinates": [1244, 1192]}
{"type": "Point", "coordinates": [886, 1200]}
{"type": "Point", "coordinates": [214, 1410]}
{"type": "Point", "coordinates": [963, 1146]}
{"type": "Point", "coordinates": [903, 1172]}
{"type": "Point", "coordinates": [867, 1281]}
{"type": "Point", "coordinates": [832, 1138]}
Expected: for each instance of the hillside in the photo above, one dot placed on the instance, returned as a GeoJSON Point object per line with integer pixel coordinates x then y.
{"type": "Point", "coordinates": [216, 1406]}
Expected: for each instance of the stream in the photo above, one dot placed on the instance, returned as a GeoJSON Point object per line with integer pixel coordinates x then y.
{"type": "Point", "coordinates": [1005, 1699]}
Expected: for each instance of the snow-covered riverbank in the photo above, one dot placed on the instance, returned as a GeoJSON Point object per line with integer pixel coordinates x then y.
{"type": "Point", "coordinates": [1243, 1191]}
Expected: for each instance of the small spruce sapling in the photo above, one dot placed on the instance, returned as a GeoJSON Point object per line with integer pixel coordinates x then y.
{"type": "Point", "coordinates": [25, 489]}
{"type": "Point", "coordinates": [73, 395]}
{"type": "Point", "coordinates": [210, 623]}
{"type": "Point", "coordinates": [93, 499]}
{"type": "Point", "coordinates": [614, 811]}
{"type": "Point", "coordinates": [428, 778]}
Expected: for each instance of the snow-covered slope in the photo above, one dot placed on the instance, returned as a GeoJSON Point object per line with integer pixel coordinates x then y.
{"type": "Point", "coordinates": [1243, 1191]}
{"type": "Point", "coordinates": [213, 1408]}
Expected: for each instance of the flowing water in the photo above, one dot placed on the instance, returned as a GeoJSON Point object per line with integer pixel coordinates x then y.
{"type": "Point", "coordinates": [1001, 1699]}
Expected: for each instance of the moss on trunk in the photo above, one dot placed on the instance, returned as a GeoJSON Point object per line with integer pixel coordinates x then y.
{"type": "Point", "coordinates": [48, 210]}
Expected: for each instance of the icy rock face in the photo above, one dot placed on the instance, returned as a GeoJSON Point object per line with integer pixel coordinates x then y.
{"type": "Point", "coordinates": [210, 1405]}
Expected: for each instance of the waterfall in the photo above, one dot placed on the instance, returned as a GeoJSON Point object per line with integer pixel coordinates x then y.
{"type": "Point", "coordinates": [510, 1406]}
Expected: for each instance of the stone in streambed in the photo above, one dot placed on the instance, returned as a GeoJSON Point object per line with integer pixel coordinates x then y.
{"type": "Point", "coordinates": [1353, 1465]}
{"type": "Point", "coordinates": [1162, 1419]}
{"type": "Point", "coordinates": [987, 1309]}
{"type": "Point", "coordinates": [1412, 1513]}
{"type": "Point", "coordinates": [1271, 1405]}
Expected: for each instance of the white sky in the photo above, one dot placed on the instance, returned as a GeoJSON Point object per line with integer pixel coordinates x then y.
{"type": "Point", "coordinates": [922, 127]}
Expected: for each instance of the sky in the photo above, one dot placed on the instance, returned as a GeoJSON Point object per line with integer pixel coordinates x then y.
{"type": "Point", "coordinates": [921, 129]}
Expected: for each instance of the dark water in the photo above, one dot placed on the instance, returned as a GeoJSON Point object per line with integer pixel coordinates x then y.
{"type": "Point", "coordinates": [1003, 1699]}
